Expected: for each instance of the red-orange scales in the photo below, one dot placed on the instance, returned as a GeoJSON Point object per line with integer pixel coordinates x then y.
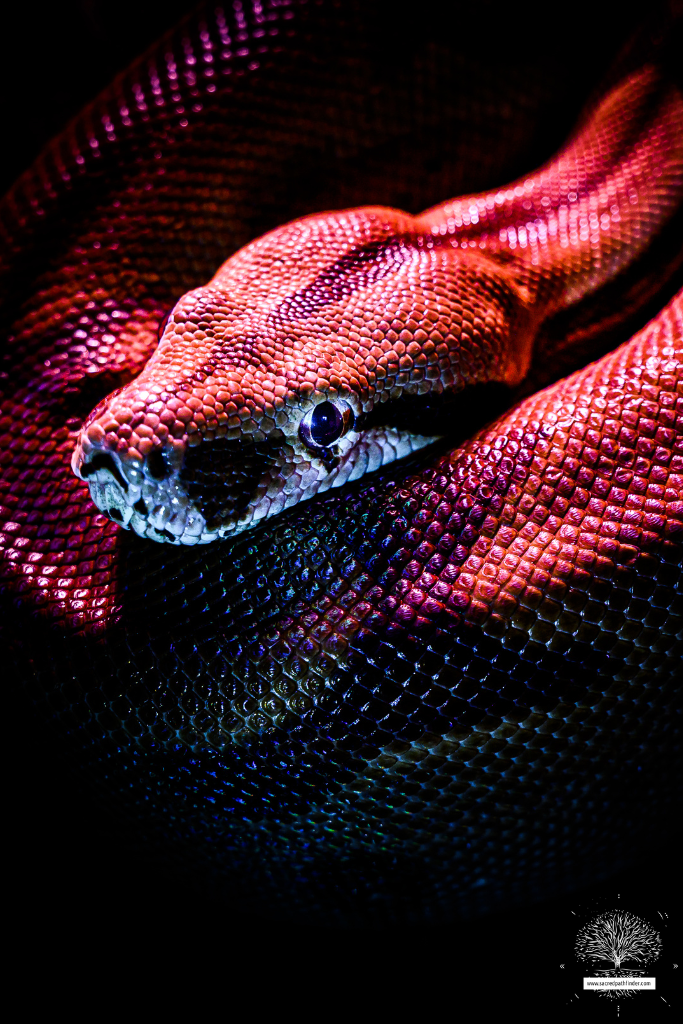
{"type": "Point", "coordinates": [459, 686]}
{"type": "Point", "coordinates": [368, 307]}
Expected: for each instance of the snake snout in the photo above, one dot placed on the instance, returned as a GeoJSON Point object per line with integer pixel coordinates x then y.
{"type": "Point", "coordinates": [192, 489]}
{"type": "Point", "coordinates": [144, 493]}
{"type": "Point", "coordinates": [172, 490]}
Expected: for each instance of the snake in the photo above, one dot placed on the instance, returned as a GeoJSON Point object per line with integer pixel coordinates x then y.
{"type": "Point", "coordinates": [393, 624]}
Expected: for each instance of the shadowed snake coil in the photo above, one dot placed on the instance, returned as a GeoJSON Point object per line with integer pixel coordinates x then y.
{"type": "Point", "coordinates": [451, 682]}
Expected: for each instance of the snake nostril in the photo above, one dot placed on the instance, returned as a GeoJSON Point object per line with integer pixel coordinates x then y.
{"type": "Point", "coordinates": [104, 461]}
{"type": "Point", "coordinates": [156, 465]}
{"type": "Point", "coordinates": [114, 513]}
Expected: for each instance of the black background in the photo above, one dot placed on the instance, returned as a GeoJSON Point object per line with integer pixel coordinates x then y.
{"type": "Point", "coordinates": [84, 901]}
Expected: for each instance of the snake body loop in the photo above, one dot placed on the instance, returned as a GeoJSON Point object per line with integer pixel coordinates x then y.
{"type": "Point", "coordinates": [446, 686]}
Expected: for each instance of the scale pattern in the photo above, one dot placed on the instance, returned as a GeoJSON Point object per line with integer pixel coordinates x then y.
{"type": "Point", "coordinates": [370, 307]}
{"type": "Point", "coordinates": [557, 532]}
{"type": "Point", "coordinates": [474, 669]}
{"type": "Point", "coordinates": [330, 720]}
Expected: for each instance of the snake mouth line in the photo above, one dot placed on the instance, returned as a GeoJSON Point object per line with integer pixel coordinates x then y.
{"type": "Point", "coordinates": [190, 497]}
{"type": "Point", "coordinates": [149, 498]}
{"type": "Point", "coordinates": [216, 490]}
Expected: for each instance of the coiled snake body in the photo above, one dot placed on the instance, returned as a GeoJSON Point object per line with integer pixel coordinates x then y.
{"type": "Point", "coordinates": [441, 689]}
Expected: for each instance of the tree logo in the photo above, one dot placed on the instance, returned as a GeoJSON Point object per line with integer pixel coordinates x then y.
{"type": "Point", "coordinates": [624, 940]}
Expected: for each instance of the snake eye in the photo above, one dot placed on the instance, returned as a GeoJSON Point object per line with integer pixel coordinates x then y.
{"type": "Point", "coordinates": [326, 424]}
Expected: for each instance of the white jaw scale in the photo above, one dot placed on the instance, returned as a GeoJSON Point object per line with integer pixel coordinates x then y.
{"type": "Point", "coordinates": [122, 488]}
{"type": "Point", "coordinates": [170, 517]}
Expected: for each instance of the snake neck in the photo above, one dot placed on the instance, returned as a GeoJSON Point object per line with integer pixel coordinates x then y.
{"type": "Point", "coordinates": [572, 226]}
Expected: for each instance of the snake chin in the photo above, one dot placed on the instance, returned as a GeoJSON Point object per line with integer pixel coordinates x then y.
{"type": "Point", "coordinates": [216, 490]}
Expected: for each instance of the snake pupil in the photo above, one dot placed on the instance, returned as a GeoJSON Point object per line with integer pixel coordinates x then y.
{"type": "Point", "coordinates": [325, 425]}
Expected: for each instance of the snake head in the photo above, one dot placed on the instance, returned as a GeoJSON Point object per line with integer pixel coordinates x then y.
{"type": "Point", "coordinates": [290, 373]}
{"type": "Point", "coordinates": [183, 466]}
